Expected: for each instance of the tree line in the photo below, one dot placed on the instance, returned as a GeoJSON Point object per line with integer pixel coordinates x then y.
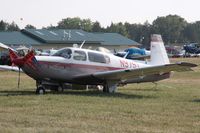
{"type": "Point", "coordinates": [173, 28]}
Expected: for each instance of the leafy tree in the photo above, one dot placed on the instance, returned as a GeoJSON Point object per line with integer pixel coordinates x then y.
{"type": "Point", "coordinates": [13, 27]}
{"type": "Point", "coordinates": [118, 28]}
{"type": "Point", "coordinates": [86, 24]}
{"type": "Point", "coordinates": [50, 27]}
{"type": "Point", "coordinates": [75, 23]}
{"type": "Point", "coordinates": [145, 34]}
{"type": "Point", "coordinates": [170, 27]}
{"type": "Point", "coordinates": [192, 32]}
{"type": "Point", "coordinates": [139, 32]}
{"type": "Point", "coordinates": [3, 25]}
{"type": "Point", "coordinates": [29, 26]}
{"type": "Point", "coordinates": [133, 31]}
{"type": "Point", "coordinates": [96, 27]}
{"type": "Point", "coordinates": [70, 23]}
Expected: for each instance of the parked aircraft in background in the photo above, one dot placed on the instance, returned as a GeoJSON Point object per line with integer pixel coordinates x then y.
{"type": "Point", "coordinates": [89, 67]}
{"type": "Point", "coordinates": [4, 56]}
{"type": "Point", "coordinates": [46, 52]}
{"type": "Point", "coordinates": [134, 53]}
{"type": "Point", "coordinates": [192, 48]}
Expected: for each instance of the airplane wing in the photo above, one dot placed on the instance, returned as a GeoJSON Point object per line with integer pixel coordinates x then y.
{"type": "Point", "coordinates": [10, 68]}
{"type": "Point", "coordinates": [125, 74]}
{"type": "Point", "coordinates": [3, 47]}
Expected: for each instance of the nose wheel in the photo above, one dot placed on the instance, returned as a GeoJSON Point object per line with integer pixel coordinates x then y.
{"type": "Point", "coordinates": [42, 86]}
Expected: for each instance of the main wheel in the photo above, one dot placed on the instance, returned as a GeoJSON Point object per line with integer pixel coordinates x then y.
{"type": "Point", "coordinates": [40, 90]}
{"type": "Point", "coordinates": [109, 88]}
{"type": "Point", "coordinates": [60, 89]}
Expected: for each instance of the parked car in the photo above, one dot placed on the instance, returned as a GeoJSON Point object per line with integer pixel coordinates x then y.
{"type": "Point", "coordinates": [173, 52]}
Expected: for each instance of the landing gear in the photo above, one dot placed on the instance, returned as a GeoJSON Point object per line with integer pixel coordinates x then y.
{"type": "Point", "coordinates": [60, 88]}
{"type": "Point", "coordinates": [40, 90]}
{"type": "Point", "coordinates": [42, 86]}
{"type": "Point", "coordinates": [110, 88]}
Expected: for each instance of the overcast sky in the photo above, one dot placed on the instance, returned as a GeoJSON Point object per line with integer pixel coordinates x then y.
{"type": "Point", "coordinates": [45, 12]}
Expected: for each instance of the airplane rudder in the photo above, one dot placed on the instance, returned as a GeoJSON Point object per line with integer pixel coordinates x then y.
{"type": "Point", "coordinates": [158, 52]}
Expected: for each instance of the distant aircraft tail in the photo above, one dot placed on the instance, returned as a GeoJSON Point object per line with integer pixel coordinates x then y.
{"type": "Point", "coordinates": [158, 52]}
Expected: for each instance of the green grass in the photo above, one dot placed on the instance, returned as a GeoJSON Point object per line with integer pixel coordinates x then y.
{"type": "Point", "coordinates": [174, 106]}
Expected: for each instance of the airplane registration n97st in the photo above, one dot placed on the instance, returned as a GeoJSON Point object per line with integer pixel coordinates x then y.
{"type": "Point", "coordinates": [89, 67]}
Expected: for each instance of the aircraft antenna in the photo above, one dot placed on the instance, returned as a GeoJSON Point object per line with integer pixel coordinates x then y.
{"type": "Point", "coordinates": [82, 44]}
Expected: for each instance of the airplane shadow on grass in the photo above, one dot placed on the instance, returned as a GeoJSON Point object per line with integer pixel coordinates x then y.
{"type": "Point", "coordinates": [102, 94]}
{"type": "Point", "coordinates": [16, 93]}
{"type": "Point", "coordinates": [196, 100]}
{"type": "Point", "coordinates": [80, 93]}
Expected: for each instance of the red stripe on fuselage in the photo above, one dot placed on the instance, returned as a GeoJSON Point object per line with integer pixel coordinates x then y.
{"type": "Point", "coordinates": [65, 65]}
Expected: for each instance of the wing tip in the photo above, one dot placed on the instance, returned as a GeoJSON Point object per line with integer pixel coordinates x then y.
{"type": "Point", "coordinates": [187, 64]}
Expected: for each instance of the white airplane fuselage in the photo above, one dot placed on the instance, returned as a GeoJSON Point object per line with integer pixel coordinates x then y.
{"type": "Point", "coordinates": [65, 69]}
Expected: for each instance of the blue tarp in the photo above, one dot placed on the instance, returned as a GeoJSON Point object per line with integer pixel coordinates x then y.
{"type": "Point", "coordinates": [135, 51]}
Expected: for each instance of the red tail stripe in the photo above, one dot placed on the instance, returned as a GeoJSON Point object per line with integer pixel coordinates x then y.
{"type": "Point", "coordinates": [12, 55]}
{"type": "Point", "coordinates": [29, 56]}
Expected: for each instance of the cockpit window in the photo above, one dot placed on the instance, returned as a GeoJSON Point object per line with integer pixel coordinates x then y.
{"type": "Point", "coordinates": [66, 53]}
{"type": "Point", "coordinates": [79, 55]}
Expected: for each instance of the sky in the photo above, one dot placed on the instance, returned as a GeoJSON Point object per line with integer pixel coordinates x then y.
{"type": "Point", "coordinates": [42, 13]}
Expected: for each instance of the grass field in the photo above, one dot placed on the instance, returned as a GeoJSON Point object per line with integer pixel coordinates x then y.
{"type": "Point", "coordinates": [174, 106]}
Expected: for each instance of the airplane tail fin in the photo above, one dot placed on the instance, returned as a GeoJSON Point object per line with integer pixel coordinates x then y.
{"type": "Point", "coordinates": [158, 52]}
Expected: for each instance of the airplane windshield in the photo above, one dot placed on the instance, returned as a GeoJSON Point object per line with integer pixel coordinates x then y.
{"type": "Point", "coordinates": [66, 53]}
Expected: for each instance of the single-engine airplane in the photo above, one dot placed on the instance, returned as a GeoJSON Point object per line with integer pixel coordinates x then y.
{"type": "Point", "coordinates": [89, 67]}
